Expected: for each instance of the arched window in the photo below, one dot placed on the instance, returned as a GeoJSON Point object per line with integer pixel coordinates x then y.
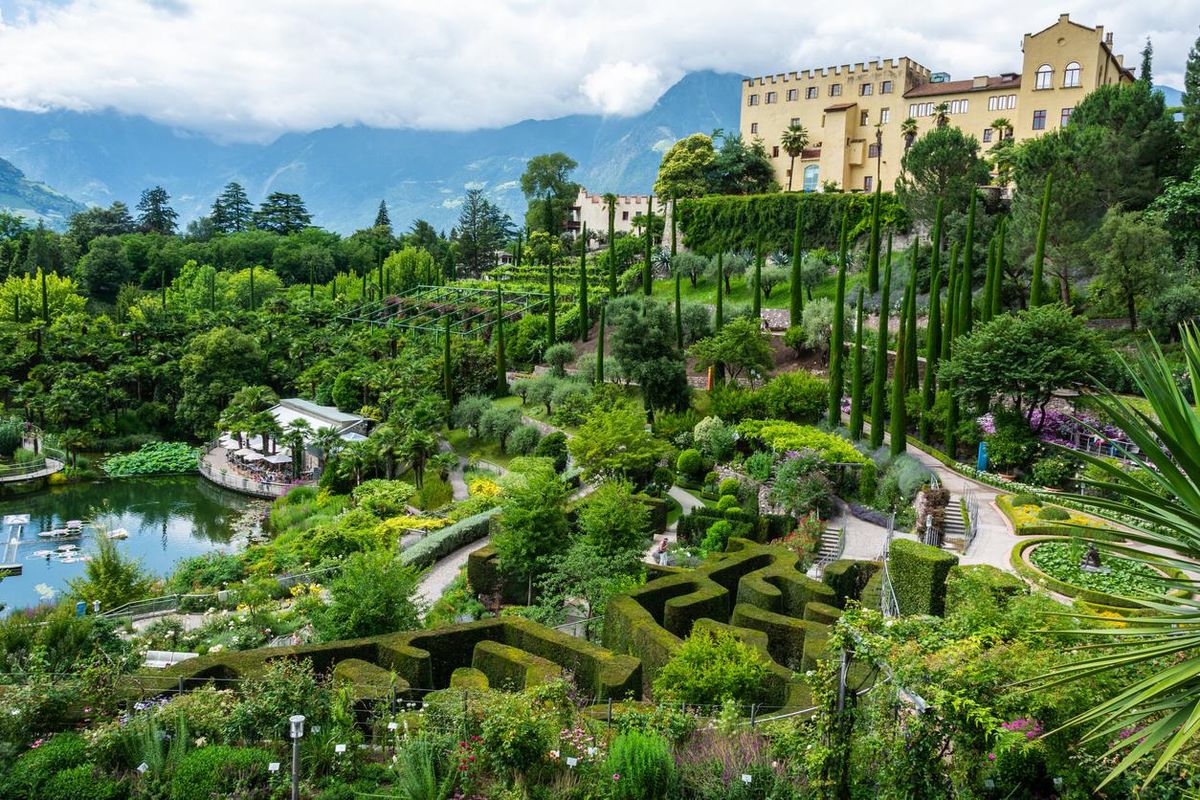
{"type": "Point", "coordinates": [1045, 77]}
{"type": "Point", "coordinates": [811, 175]}
{"type": "Point", "coordinates": [1071, 75]}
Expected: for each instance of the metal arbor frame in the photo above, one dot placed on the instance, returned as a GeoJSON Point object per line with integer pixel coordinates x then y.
{"type": "Point", "coordinates": [423, 308]}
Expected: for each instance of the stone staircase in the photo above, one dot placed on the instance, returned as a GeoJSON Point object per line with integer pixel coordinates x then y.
{"type": "Point", "coordinates": [830, 546]}
{"type": "Point", "coordinates": [954, 531]}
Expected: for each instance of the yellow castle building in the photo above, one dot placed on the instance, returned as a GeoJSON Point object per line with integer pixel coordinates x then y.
{"type": "Point", "coordinates": [854, 113]}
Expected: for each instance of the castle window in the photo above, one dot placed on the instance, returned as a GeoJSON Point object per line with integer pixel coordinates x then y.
{"type": "Point", "coordinates": [1071, 75]}
{"type": "Point", "coordinates": [866, 89]}
{"type": "Point", "coordinates": [793, 94]}
{"type": "Point", "coordinates": [775, 151]}
{"type": "Point", "coordinates": [753, 100]}
{"type": "Point", "coordinates": [835, 90]}
{"type": "Point", "coordinates": [885, 87]}
{"type": "Point", "coordinates": [1045, 77]}
{"type": "Point", "coordinates": [625, 216]}
{"type": "Point", "coordinates": [753, 128]}
{"type": "Point", "coordinates": [987, 135]}
{"type": "Point", "coordinates": [795, 121]}
{"type": "Point", "coordinates": [772, 97]}
{"type": "Point", "coordinates": [864, 118]}
{"type": "Point", "coordinates": [872, 150]}
{"type": "Point", "coordinates": [812, 174]}
{"type": "Point", "coordinates": [811, 93]}
{"type": "Point", "coordinates": [885, 116]}
{"type": "Point", "coordinates": [1039, 120]}
{"type": "Point", "coordinates": [1066, 117]}
{"type": "Point", "coordinates": [868, 183]}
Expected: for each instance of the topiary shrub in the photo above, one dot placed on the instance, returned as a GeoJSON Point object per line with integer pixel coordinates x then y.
{"type": "Point", "coordinates": [221, 771]}
{"type": "Point", "coordinates": [727, 502]}
{"type": "Point", "coordinates": [730, 487]}
{"type": "Point", "coordinates": [1026, 500]}
{"type": "Point", "coordinates": [717, 537]}
{"type": "Point", "coordinates": [1053, 471]}
{"type": "Point", "coordinates": [523, 441]}
{"type": "Point", "coordinates": [759, 465]}
{"type": "Point", "coordinates": [690, 464]}
{"type": "Point", "coordinates": [918, 572]}
{"type": "Point", "coordinates": [83, 782]}
{"type": "Point", "coordinates": [32, 771]}
{"type": "Point", "coordinates": [1054, 514]}
{"type": "Point", "coordinates": [553, 445]}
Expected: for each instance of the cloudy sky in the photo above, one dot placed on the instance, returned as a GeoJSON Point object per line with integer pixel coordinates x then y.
{"type": "Point", "coordinates": [251, 69]}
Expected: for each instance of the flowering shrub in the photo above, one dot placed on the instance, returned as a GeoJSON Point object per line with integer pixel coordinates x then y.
{"type": "Point", "coordinates": [482, 487]}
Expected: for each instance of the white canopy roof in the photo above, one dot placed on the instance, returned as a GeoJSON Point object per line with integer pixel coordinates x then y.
{"type": "Point", "coordinates": [279, 458]}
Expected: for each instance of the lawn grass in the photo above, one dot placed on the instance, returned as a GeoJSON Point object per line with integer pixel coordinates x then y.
{"type": "Point", "coordinates": [466, 445]}
{"type": "Point", "coordinates": [705, 291]}
{"type": "Point", "coordinates": [674, 510]}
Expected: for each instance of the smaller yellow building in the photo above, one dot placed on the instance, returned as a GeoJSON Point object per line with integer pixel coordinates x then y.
{"type": "Point", "coordinates": [854, 113]}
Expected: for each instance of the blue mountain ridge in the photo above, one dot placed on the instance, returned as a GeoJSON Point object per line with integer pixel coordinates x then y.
{"type": "Point", "coordinates": [342, 172]}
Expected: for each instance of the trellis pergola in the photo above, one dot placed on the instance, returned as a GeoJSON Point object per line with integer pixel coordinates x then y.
{"type": "Point", "coordinates": [425, 308]}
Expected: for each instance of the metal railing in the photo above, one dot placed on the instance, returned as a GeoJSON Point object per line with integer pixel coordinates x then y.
{"type": "Point", "coordinates": [827, 559]}
{"type": "Point", "coordinates": [240, 483]}
{"type": "Point", "coordinates": [889, 605]}
{"type": "Point", "coordinates": [970, 510]}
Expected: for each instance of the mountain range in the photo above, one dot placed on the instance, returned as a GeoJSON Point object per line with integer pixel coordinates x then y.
{"type": "Point", "coordinates": [343, 172]}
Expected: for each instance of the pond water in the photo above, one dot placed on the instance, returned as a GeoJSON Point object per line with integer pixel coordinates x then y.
{"type": "Point", "coordinates": [167, 519]}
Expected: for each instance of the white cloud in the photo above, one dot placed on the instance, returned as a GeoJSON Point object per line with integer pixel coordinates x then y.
{"type": "Point", "coordinates": [256, 69]}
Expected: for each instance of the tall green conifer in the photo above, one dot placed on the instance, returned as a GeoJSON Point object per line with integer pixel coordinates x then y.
{"type": "Point", "coordinates": [585, 321]}
{"type": "Point", "coordinates": [856, 374]}
{"type": "Point", "coordinates": [879, 376]}
{"type": "Point", "coordinates": [837, 336]}
{"type": "Point", "coordinates": [1039, 253]}
{"type": "Point", "coordinates": [796, 282]}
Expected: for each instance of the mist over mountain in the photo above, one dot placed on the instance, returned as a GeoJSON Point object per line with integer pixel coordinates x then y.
{"type": "Point", "coordinates": [32, 200]}
{"type": "Point", "coordinates": [343, 172]}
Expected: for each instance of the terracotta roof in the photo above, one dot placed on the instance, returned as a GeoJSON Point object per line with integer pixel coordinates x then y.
{"type": "Point", "coordinates": [841, 106]}
{"type": "Point", "coordinates": [959, 87]}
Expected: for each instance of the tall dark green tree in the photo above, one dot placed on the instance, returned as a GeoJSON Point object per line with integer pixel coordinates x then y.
{"type": "Point", "coordinates": [282, 213]}
{"type": "Point", "coordinates": [585, 321]}
{"type": "Point", "coordinates": [1039, 253]}
{"type": "Point", "coordinates": [968, 272]}
{"type": "Point", "coordinates": [611, 199]}
{"type": "Point", "coordinates": [898, 421]}
{"type": "Point", "coordinates": [678, 313]}
{"type": "Point", "coordinates": [837, 335]}
{"type": "Point", "coordinates": [933, 334]}
{"type": "Point", "coordinates": [232, 211]}
{"type": "Point", "coordinates": [501, 361]}
{"type": "Point", "coordinates": [874, 244]}
{"type": "Point", "coordinates": [796, 284]}
{"type": "Point", "coordinates": [1191, 102]}
{"type": "Point", "coordinates": [1146, 73]}
{"type": "Point", "coordinates": [647, 281]}
{"type": "Point", "coordinates": [600, 346]}
{"type": "Point", "coordinates": [552, 310]}
{"type": "Point", "coordinates": [719, 317]}
{"type": "Point", "coordinates": [911, 371]}
{"type": "Point", "coordinates": [155, 214]}
{"type": "Point", "coordinates": [996, 300]}
{"type": "Point", "coordinates": [880, 366]}
{"type": "Point", "coordinates": [756, 303]}
{"type": "Point", "coordinates": [447, 366]}
{"type": "Point", "coordinates": [856, 374]}
{"type": "Point", "coordinates": [382, 220]}
{"type": "Point", "coordinates": [948, 322]}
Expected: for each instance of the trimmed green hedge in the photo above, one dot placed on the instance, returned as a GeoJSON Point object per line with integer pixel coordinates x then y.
{"type": "Point", "coordinates": [486, 578]}
{"type": "Point", "coordinates": [822, 613]}
{"type": "Point", "coordinates": [658, 513]}
{"type": "Point", "coordinates": [743, 222]}
{"type": "Point", "coordinates": [442, 543]}
{"type": "Point", "coordinates": [468, 678]}
{"type": "Point", "coordinates": [785, 635]}
{"type": "Point", "coordinates": [368, 681]}
{"type": "Point", "coordinates": [848, 578]}
{"type": "Point", "coordinates": [1045, 580]}
{"type": "Point", "coordinates": [508, 667]}
{"type": "Point", "coordinates": [918, 573]}
{"type": "Point", "coordinates": [220, 771]}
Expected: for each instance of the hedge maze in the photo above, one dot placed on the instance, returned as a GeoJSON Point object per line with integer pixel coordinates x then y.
{"type": "Point", "coordinates": [757, 592]}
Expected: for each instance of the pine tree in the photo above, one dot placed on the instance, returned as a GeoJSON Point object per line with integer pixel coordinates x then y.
{"type": "Point", "coordinates": [837, 336]}
{"type": "Point", "coordinates": [1039, 253]}
{"type": "Point", "coordinates": [898, 423]}
{"type": "Point", "coordinates": [600, 347]}
{"type": "Point", "coordinates": [647, 286]}
{"type": "Point", "coordinates": [879, 375]}
{"type": "Point", "coordinates": [612, 245]}
{"type": "Point", "coordinates": [382, 220]}
{"type": "Point", "coordinates": [156, 215]}
{"type": "Point", "coordinates": [933, 335]}
{"type": "Point", "coordinates": [447, 368]}
{"type": "Point", "coordinates": [501, 363]}
{"type": "Point", "coordinates": [1146, 74]}
{"type": "Point", "coordinates": [873, 257]}
{"type": "Point", "coordinates": [584, 320]}
{"type": "Point", "coordinates": [232, 210]}
{"type": "Point", "coordinates": [856, 374]}
{"type": "Point", "coordinates": [756, 304]}
{"type": "Point", "coordinates": [796, 284]}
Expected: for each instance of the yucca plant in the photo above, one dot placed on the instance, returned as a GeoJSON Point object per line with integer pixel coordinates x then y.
{"type": "Point", "coordinates": [1158, 502]}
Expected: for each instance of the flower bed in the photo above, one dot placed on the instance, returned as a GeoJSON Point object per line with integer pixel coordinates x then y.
{"type": "Point", "coordinates": [1026, 522]}
{"type": "Point", "coordinates": [1125, 578]}
{"type": "Point", "coordinates": [1022, 563]}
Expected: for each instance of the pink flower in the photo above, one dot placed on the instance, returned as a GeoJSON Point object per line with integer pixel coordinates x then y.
{"type": "Point", "coordinates": [991, 756]}
{"type": "Point", "coordinates": [616, 776]}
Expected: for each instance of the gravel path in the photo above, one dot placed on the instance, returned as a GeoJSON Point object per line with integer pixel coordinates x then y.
{"type": "Point", "coordinates": [443, 573]}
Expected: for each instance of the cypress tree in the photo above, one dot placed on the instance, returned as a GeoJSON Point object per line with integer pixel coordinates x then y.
{"type": "Point", "coordinates": [969, 266]}
{"type": "Point", "coordinates": [646, 282]}
{"type": "Point", "coordinates": [998, 281]}
{"type": "Point", "coordinates": [552, 312]}
{"type": "Point", "coordinates": [796, 283]}
{"type": "Point", "coordinates": [673, 237]}
{"type": "Point", "coordinates": [46, 295]}
{"type": "Point", "coordinates": [164, 286]}
{"type": "Point", "coordinates": [873, 257]}
{"type": "Point", "coordinates": [252, 303]}
{"type": "Point", "coordinates": [837, 338]}
{"type": "Point", "coordinates": [364, 286]}
{"type": "Point", "coordinates": [933, 333]}
{"type": "Point", "coordinates": [950, 320]}
{"type": "Point", "coordinates": [1039, 253]}
{"type": "Point", "coordinates": [985, 299]}
{"type": "Point", "coordinates": [584, 320]}
{"type": "Point", "coordinates": [517, 251]}
{"type": "Point", "coordinates": [756, 305]}
{"type": "Point", "coordinates": [898, 423]}
{"type": "Point", "coordinates": [951, 437]}
{"type": "Point", "coordinates": [856, 374]}
{"type": "Point", "coordinates": [447, 373]}
{"type": "Point", "coordinates": [678, 314]}
{"type": "Point", "coordinates": [17, 308]}
{"type": "Point", "coordinates": [600, 347]}
{"type": "Point", "coordinates": [935, 242]}
{"type": "Point", "coordinates": [879, 376]}
{"type": "Point", "coordinates": [910, 345]}
{"type": "Point", "coordinates": [501, 364]}
{"type": "Point", "coordinates": [719, 321]}
{"type": "Point", "coordinates": [612, 247]}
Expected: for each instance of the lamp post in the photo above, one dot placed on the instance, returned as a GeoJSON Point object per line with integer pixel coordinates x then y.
{"type": "Point", "coordinates": [297, 731]}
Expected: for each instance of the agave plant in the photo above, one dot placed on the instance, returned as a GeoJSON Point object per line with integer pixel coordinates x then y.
{"type": "Point", "coordinates": [1158, 502]}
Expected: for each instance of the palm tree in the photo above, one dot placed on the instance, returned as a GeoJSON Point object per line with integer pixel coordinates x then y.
{"type": "Point", "coordinates": [353, 459]}
{"type": "Point", "coordinates": [1003, 126]}
{"type": "Point", "coordinates": [908, 129]}
{"type": "Point", "coordinates": [297, 433]}
{"type": "Point", "coordinates": [793, 141]}
{"type": "Point", "coordinates": [1159, 651]}
{"type": "Point", "coordinates": [388, 443]}
{"type": "Point", "coordinates": [418, 447]}
{"type": "Point", "coordinates": [941, 115]}
{"type": "Point", "coordinates": [327, 441]}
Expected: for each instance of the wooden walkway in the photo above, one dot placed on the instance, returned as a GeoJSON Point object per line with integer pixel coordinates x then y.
{"type": "Point", "coordinates": [49, 467]}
